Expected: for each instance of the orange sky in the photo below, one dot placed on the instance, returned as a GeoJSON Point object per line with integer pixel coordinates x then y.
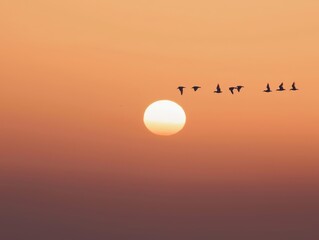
{"type": "Point", "coordinates": [77, 161]}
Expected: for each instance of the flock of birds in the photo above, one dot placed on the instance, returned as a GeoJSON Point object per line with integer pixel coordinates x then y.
{"type": "Point", "coordinates": [238, 88]}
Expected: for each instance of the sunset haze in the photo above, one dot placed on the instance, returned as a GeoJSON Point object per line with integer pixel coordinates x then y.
{"type": "Point", "coordinates": [76, 160]}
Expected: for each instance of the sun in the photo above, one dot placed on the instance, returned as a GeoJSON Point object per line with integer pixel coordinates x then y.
{"type": "Point", "coordinates": [164, 117]}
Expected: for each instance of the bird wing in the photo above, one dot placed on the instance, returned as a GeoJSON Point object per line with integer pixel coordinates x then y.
{"type": "Point", "coordinates": [218, 88]}
{"type": "Point", "coordinates": [231, 89]}
{"type": "Point", "coordinates": [268, 87]}
{"type": "Point", "coordinates": [293, 85]}
{"type": "Point", "coordinates": [239, 88]}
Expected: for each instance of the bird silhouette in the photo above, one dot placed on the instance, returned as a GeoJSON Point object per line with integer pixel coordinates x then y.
{"type": "Point", "coordinates": [231, 89]}
{"type": "Point", "coordinates": [218, 90]}
{"type": "Point", "coordinates": [293, 87]}
{"type": "Point", "coordinates": [268, 88]}
{"type": "Point", "coordinates": [239, 88]}
{"type": "Point", "coordinates": [181, 89]}
{"type": "Point", "coordinates": [281, 87]}
{"type": "Point", "coordinates": [196, 88]}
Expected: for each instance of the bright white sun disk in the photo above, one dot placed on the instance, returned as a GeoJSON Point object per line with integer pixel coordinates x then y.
{"type": "Point", "coordinates": [164, 117]}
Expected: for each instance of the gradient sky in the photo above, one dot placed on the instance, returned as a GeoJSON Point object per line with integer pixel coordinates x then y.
{"type": "Point", "coordinates": [76, 161]}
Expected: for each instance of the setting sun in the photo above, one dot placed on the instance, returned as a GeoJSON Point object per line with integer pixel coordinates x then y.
{"type": "Point", "coordinates": [164, 117]}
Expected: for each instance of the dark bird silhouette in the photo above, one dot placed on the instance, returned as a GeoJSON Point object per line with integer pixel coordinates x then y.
{"type": "Point", "coordinates": [181, 89]}
{"type": "Point", "coordinates": [239, 88]}
{"type": "Point", "coordinates": [268, 88]}
{"type": "Point", "coordinates": [293, 87]}
{"type": "Point", "coordinates": [196, 88]}
{"type": "Point", "coordinates": [231, 89]}
{"type": "Point", "coordinates": [281, 87]}
{"type": "Point", "coordinates": [218, 90]}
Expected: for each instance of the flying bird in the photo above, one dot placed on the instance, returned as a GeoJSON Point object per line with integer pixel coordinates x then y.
{"type": "Point", "coordinates": [218, 90]}
{"type": "Point", "coordinates": [239, 88]}
{"type": "Point", "coordinates": [231, 89]}
{"type": "Point", "coordinates": [293, 87]}
{"type": "Point", "coordinates": [268, 88]}
{"type": "Point", "coordinates": [281, 87]}
{"type": "Point", "coordinates": [181, 89]}
{"type": "Point", "coordinates": [196, 88]}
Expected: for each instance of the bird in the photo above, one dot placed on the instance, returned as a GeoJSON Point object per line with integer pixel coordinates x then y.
{"type": "Point", "coordinates": [218, 90]}
{"type": "Point", "coordinates": [231, 89]}
{"type": "Point", "coordinates": [239, 88]}
{"type": "Point", "coordinates": [281, 87]}
{"type": "Point", "coordinates": [293, 87]}
{"type": "Point", "coordinates": [181, 89]}
{"type": "Point", "coordinates": [268, 88]}
{"type": "Point", "coordinates": [196, 88]}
